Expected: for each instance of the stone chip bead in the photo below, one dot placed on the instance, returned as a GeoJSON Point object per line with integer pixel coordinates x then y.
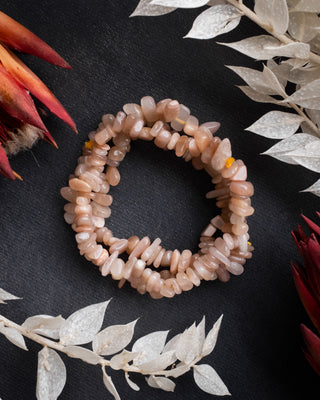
{"type": "Point", "coordinates": [146, 265]}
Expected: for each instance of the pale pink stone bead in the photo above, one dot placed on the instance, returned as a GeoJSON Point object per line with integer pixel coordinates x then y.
{"type": "Point", "coordinates": [223, 274]}
{"type": "Point", "coordinates": [119, 122]}
{"type": "Point", "coordinates": [122, 141]}
{"type": "Point", "coordinates": [191, 126]}
{"type": "Point", "coordinates": [120, 246]}
{"type": "Point", "coordinates": [102, 259]}
{"type": "Point", "coordinates": [165, 274]}
{"type": "Point", "coordinates": [83, 220]}
{"type": "Point", "coordinates": [244, 212]}
{"type": "Point", "coordinates": [148, 107]}
{"type": "Point", "coordinates": [95, 253]}
{"type": "Point", "coordinates": [166, 259]}
{"type": "Point", "coordinates": [103, 199]}
{"type": "Point", "coordinates": [238, 259]}
{"type": "Point", "coordinates": [242, 188]}
{"type": "Point", "coordinates": [142, 284]}
{"type": "Point", "coordinates": [98, 222]}
{"type": "Point", "coordinates": [235, 268]}
{"type": "Point", "coordinates": [113, 176]}
{"type": "Point", "coordinates": [140, 247]}
{"type": "Point", "coordinates": [100, 211]}
{"type": "Point", "coordinates": [221, 245]}
{"type": "Point", "coordinates": [174, 262]}
{"type": "Point", "coordinates": [222, 153]}
{"type": "Point", "coordinates": [161, 107]}
{"type": "Point", "coordinates": [229, 241]}
{"type": "Point", "coordinates": [193, 148]}
{"type": "Point", "coordinates": [237, 219]}
{"type": "Point", "coordinates": [182, 146]}
{"type": "Point", "coordinates": [243, 243]}
{"type": "Point", "coordinates": [172, 283]}
{"type": "Point", "coordinates": [193, 276]}
{"type": "Point", "coordinates": [81, 168]}
{"type": "Point", "coordinates": [184, 282]}
{"type": "Point", "coordinates": [157, 295]}
{"type": "Point", "coordinates": [116, 154]}
{"type": "Point", "coordinates": [184, 260]}
{"type": "Point", "coordinates": [104, 135]}
{"type": "Point", "coordinates": [128, 267]}
{"type": "Point", "coordinates": [210, 262]}
{"type": "Point", "coordinates": [116, 269]}
{"type": "Point", "coordinates": [108, 119]}
{"type": "Point", "coordinates": [197, 163]}
{"type": "Point", "coordinates": [209, 151]}
{"type": "Point", "coordinates": [217, 193]}
{"type": "Point", "coordinates": [216, 253]}
{"type": "Point", "coordinates": [138, 269]}
{"type": "Point", "coordinates": [82, 201]}
{"type": "Point", "coordinates": [201, 270]}
{"type": "Point", "coordinates": [68, 194]}
{"type": "Point", "coordinates": [136, 128]}
{"type": "Point", "coordinates": [69, 218]}
{"type": "Point", "coordinates": [179, 122]}
{"type": "Point", "coordinates": [187, 156]}
{"type": "Point", "coordinates": [171, 110]}
{"type": "Point", "coordinates": [104, 187]}
{"type": "Point", "coordinates": [217, 222]}
{"type": "Point", "coordinates": [167, 289]}
{"type": "Point", "coordinates": [69, 208]}
{"type": "Point", "coordinates": [134, 109]}
{"type": "Point", "coordinates": [84, 209]}
{"type": "Point", "coordinates": [156, 128]}
{"type": "Point", "coordinates": [87, 243]}
{"type": "Point", "coordinates": [107, 236]}
{"type": "Point", "coordinates": [241, 174]}
{"type": "Point", "coordinates": [173, 141]}
{"type": "Point", "coordinates": [157, 261]}
{"type": "Point", "coordinates": [149, 250]}
{"type": "Point", "coordinates": [153, 283]}
{"type": "Point", "coordinates": [100, 232]}
{"type": "Point", "coordinates": [90, 247]}
{"type": "Point", "coordinates": [240, 229]}
{"type": "Point", "coordinates": [105, 269]}
{"type": "Point", "coordinates": [132, 243]}
{"type": "Point", "coordinates": [79, 185]}
{"type": "Point", "coordinates": [145, 134]}
{"type": "Point", "coordinates": [162, 139]}
{"type": "Point", "coordinates": [154, 255]}
{"type": "Point", "coordinates": [243, 202]}
{"type": "Point", "coordinates": [203, 138]}
{"type": "Point", "coordinates": [213, 126]}
{"type": "Point", "coordinates": [82, 237]}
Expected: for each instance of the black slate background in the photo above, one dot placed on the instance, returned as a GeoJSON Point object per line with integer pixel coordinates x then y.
{"type": "Point", "coordinates": [118, 60]}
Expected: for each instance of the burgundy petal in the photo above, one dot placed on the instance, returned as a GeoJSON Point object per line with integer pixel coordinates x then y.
{"type": "Point", "coordinates": [312, 342]}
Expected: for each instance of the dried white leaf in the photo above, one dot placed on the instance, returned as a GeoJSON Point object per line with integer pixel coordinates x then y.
{"type": "Point", "coordinates": [187, 346]}
{"type": "Point", "coordinates": [214, 21]}
{"type": "Point", "coordinates": [314, 116]}
{"type": "Point", "coordinates": [45, 325]}
{"type": "Point", "coordinates": [110, 386]}
{"type": "Point", "coordinates": [149, 346]}
{"type": "Point", "coordinates": [257, 96]}
{"type": "Point", "coordinates": [159, 382]}
{"type": "Point", "coordinates": [264, 47]}
{"type": "Point", "coordinates": [180, 3]}
{"type": "Point", "coordinates": [308, 96]}
{"type": "Point", "coordinates": [133, 385]}
{"type": "Point", "coordinates": [308, 156]}
{"type": "Point", "coordinates": [276, 125]}
{"type": "Point", "coordinates": [172, 343]}
{"type": "Point", "coordinates": [308, 6]}
{"type": "Point", "coordinates": [83, 325]}
{"type": "Point", "coordinates": [159, 363]}
{"type": "Point", "coordinates": [216, 2]}
{"type": "Point", "coordinates": [274, 12]}
{"type": "Point", "coordinates": [146, 8]}
{"type": "Point", "coordinates": [211, 339]}
{"type": "Point", "coordinates": [209, 381]}
{"type": "Point", "coordinates": [84, 354]}
{"type": "Point", "coordinates": [52, 375]}
{"type": "Point", "coordinates": [303, 76]}
{"type": "Point", "coordinates": [302, 26]}
{"type": "Point", "coordinates": [113, 339]}
{"type": "Point", "coordinates": [4, 296]}
{"type": "Point", "coordinates": [122, 359]}
{"type": "Point", "coordinates": [14, 337]}
{"type": "Point", "coordinates": [263, 82]}
{"type": "Point", "coordinates": [281, 149]}
{"type": "Point", "coordinates": [315, 188]}
{"type": "Point", "coordinates": [201, 335]}
{"type": "Point", "coordinates": [281, 71]}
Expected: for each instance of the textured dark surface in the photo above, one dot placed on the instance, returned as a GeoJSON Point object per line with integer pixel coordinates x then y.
{"type": "Point", "coordinates": [118, 60]}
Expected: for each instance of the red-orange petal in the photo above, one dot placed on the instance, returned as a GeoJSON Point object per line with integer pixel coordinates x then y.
{"type": "Point", "coordinates": [16, 101]}
{"type": "Point", "coordinates": [5, 168]}
{"type": "Point", "coordinates": [20, 38]}
{"type": "Point", "coordinates": [31, 82]}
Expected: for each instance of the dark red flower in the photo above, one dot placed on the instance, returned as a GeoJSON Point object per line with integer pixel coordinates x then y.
{"type": "Point", "coordinates": [307, 281]}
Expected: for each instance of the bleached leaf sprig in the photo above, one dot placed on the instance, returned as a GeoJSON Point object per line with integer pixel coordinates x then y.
{"type": "Point", "coordinates": [290, 50]}
{"type": "Point", "coordinates": [151, 355]}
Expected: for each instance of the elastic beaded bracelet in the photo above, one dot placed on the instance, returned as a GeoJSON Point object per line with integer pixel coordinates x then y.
{"type": "Point", "coordinates": [223, 247]}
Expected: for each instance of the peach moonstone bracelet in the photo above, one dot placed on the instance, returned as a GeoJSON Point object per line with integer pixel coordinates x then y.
{"type": "Point", "coordinates": [224, 245]}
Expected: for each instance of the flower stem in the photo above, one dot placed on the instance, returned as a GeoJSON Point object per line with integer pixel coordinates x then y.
{"type": "Point", "coordinates": [268, 28]}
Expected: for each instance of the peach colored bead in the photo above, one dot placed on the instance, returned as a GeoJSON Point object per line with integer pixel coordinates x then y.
{"type": "Point", "coordinates": [167, 289]}
{"type": "Point", "coordinates": [221, 257]}
{"type": "Point", "coordinates": [223, 274]}
{"type": "Point", "coordinates": [182, 145]}
{"type": "Point", "coordinates": [108, 120]}
{"type": "Point", "coordinates": [201, 270]}
{"type": "Point", "coordinates": [221, 154]}
{"type": "Point", "coordinates": [149, 110]}
{"type": "Point", "coordinates": [241, 174]}
{"type": "Point", "coordinates": [138, 269]}
{"type": "Point", "coordinates": [203, 138]}
{"type": "Point", "coordinates": [193, 148]}
{"type": "Point", "coordinates": [166, 259]}
{"type": "Point", "coordinates": [105, 269]}
{"type": "Point", "coordinates": [136, 128]}
{"type": "Point", "coordinates": [240, 229]}
{"type": "Point", "coordinates": [102, 259]}
{"type": "Point", "coordinates": [116, 269]}
{"type": "Point", "coordinates": [113, 176]}
{"type": "Point", "coordinates": [133, 109]}
{"type": "Point", "coordinates": [119, 122]}
{"type": "Point", "coordinates": [173, 284]}
{"type": "Point", "coordinates": [235, 268]}
{"type": "Point", "coordinates": [140, 247]}
{"type": "Point", "coordinates": [213, 126]}
{"type": "Point", "coordinates": [165, 274]}
{"type": "Point", "coordinates": [79, 185]}
{"type": "Point", "coordinates": [156, 129]}
{"type": "Point", "coordinates": [193, 276]}
{"type": "Point", "coordinates": [184, 282]}
{"type": "Point", "coordinates": [119, 246]}
{"type": "Point", "coordinates": [184, 260]}
{"type": "Point", "coordinates": [191, 125]}
{"type": "Point", "coordinates": [132, 242]}
{"type": "Point", "coordinates": [173, 141]}
{"type": "Point", "coordinates": [145, 134]}
{"type": "Point", "coordinates": [68, 194]}
{"type": "Point", "coordinates": [220, 245]}
{"type": "Point", "coordinates": [162, 139]}
{"type": "Point", "coordinates": [171, 110]}
{"type": "Point", "coordinates": [127, 270]}
{"type": "Point", "coordinates": [153, 283]}
{"type": "Point", "coordinates": [179, 122]}
{"type": "Point", "coordinates": [160, 107]}
{"type": "Point", "coordinates": [157, 261]}
{"type": "Point", "coordinates": [242, 188]}
{"type": "Point", "coordinates": [174, 261]}
{"type": "Point", "coordinates": [209, 151]}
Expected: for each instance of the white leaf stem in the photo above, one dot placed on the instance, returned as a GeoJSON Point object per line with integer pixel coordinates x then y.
{"type": "Point", "coordinates": [52, 375]}
{"type": "Point", "coordinates": [83, 325]}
